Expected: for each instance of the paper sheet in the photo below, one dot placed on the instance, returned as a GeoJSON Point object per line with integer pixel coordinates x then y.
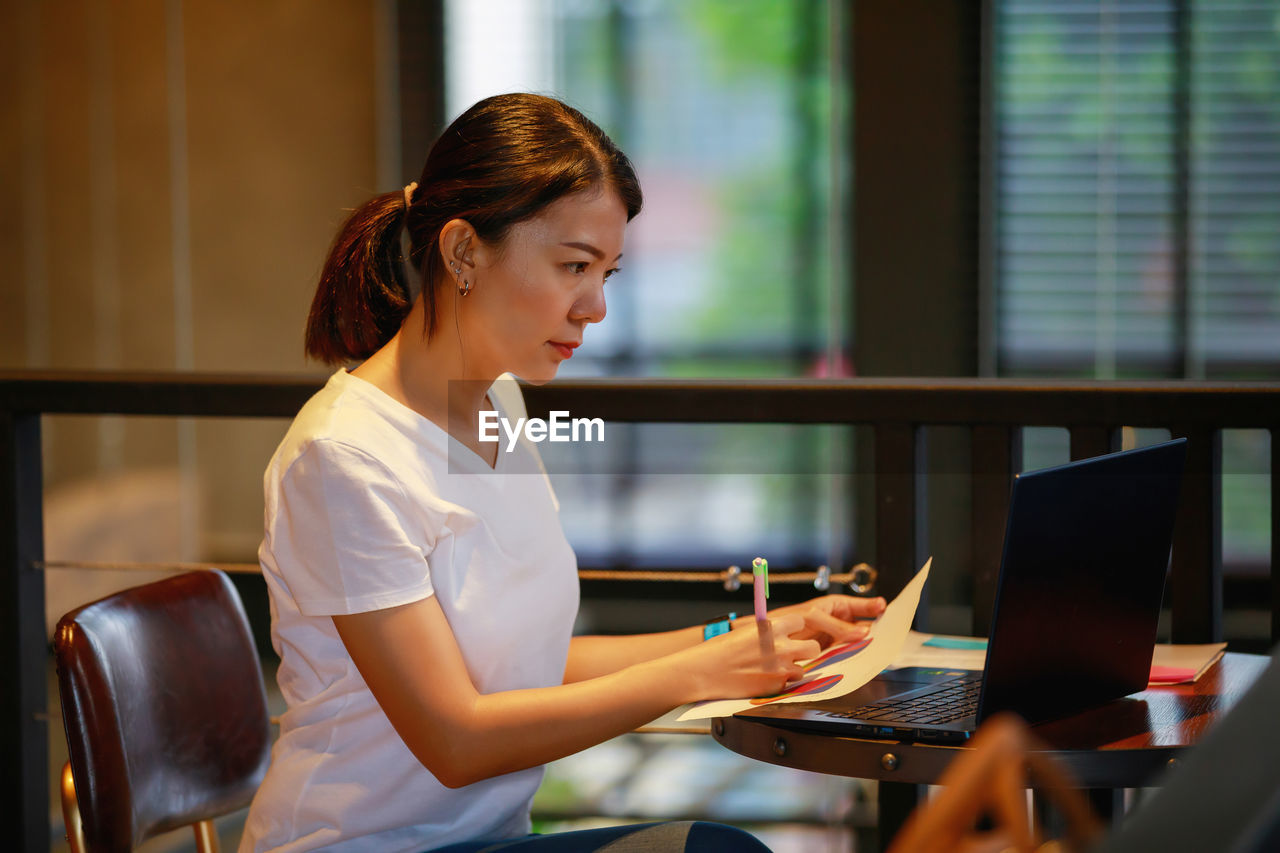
{"type": "Point", "coordinates": [840, 669]}
{"type": "Point", "coordinates": [922, 650]}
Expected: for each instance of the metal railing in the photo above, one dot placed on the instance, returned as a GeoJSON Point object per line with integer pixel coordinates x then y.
{"type": "Point", "coordinates": [897, 412]}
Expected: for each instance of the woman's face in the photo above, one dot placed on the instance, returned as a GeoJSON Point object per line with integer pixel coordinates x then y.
{"type": "Point", "coordinates": [534, 294]}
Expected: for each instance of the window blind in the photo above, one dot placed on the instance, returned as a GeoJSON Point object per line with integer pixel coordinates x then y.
{"type": "Point", "coordinates": [1137, 192]}
{"type": "Point", "coordinates": [1235, 187]}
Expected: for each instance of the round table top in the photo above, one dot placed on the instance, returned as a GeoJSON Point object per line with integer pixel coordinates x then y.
{"type": "Point", "coordinates": [1122, 744]}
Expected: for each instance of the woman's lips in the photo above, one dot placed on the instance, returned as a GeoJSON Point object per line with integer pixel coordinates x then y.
{"type": "Point", "coordinates": [565, 350]}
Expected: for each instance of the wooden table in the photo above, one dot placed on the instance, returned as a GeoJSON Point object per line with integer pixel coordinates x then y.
{"type": "Point", "coordinates": [1123, 744]}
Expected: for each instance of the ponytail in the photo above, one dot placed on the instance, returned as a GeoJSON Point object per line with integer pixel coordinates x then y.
{"type": "Point", "coordinates": [363, 295]}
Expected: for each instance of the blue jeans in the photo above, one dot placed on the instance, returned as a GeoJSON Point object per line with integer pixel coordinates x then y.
{"type": "Point", "coordinates": [667, 837]}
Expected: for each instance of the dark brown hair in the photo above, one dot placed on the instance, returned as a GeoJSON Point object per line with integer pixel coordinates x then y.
{"type": "Point", "coordinates": [501, 162]}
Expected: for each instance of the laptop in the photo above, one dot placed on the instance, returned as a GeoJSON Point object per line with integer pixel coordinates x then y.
{"type": "Point", "coordinates": [1086, 552]}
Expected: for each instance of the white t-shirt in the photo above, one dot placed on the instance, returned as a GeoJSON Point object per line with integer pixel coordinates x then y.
{"type": "Point", "coordinates": [363, 513]}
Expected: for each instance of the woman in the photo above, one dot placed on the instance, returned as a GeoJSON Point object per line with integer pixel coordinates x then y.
{"type": "Point", "coordinates": [422, 590]}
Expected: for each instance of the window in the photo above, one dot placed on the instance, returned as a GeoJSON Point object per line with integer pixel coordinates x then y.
{"type": "Point", "coordinates": [1137, 208]}
{"type": "Point", "coordinates": [1138, 188]}
{"type": "Point", "coordinates": [727, 110]}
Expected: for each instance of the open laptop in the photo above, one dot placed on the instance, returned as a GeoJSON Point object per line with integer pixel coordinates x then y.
{"type": "Point", "coordinates": [1086, 551]}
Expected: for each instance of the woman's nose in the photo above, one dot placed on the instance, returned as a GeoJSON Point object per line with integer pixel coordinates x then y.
{"type": "Point", "coordinates": [591, 305]}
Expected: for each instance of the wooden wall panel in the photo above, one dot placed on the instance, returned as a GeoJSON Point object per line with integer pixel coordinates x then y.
{"type": "Point", "coordinates": [144, 216]}
{"type": "Point", "coordinates": [282, 133]}
{"type": "Point", "coordinates": [277, 105]}
{"type": "Point", "coordinates": [15, 96]}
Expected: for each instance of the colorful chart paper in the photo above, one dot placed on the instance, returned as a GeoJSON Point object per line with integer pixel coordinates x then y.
{"type": "Point", "coordinates": [800, 688]}
{"type": "Point", "coordinates": [855, 663]}
{"type": "Point", "coordinates": [835, 654]}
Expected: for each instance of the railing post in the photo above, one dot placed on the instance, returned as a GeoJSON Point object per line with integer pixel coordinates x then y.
{"type": "Point", "coordinates": [1090, 441]}
{"type": "Point", "coordinates": [995, 456]}
{"type": "Point", "coordinates": [896, 506]}
{"type": "Point", "coordinates": [897, 463]}
{"type": "Point", "coordinates": [1197, 541]}
{"type": "Point", "coordinates": [24, 719]}
{"type": "Point", "coordinates": [1275, 536]}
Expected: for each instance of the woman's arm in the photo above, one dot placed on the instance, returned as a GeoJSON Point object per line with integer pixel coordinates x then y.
{"type": "Point", "coordinates": [831, 618]}
{"type": "Point", "coordinates": [409, 658]}
{"type": "Point", "coordinates": [594, 656]}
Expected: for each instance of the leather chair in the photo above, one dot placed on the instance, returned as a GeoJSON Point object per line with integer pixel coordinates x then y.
{"type": "Point", "coordinates": [165, 712]}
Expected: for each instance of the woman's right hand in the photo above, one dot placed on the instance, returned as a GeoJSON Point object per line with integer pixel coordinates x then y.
{"type": "Point", "coordinates": [737, 665]}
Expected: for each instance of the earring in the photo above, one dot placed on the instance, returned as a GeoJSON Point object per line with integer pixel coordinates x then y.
{"type": "Point", "coordinates": [464, 287]}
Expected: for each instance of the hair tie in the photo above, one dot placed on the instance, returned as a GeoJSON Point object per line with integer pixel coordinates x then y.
{"type": "Point", "coordinates": [406, 247]}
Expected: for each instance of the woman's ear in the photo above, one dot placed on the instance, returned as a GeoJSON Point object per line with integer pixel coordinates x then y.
{"type": "Point", "coordinates": [457, 246]}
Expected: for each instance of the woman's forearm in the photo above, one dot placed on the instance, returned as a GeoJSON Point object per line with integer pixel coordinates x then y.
{"type": "Point", "coordinates": [594, 656]}
{"type": "Point", "coordinates": [463, 736]}
{"type": "Point", "coordinates": [516, 729]}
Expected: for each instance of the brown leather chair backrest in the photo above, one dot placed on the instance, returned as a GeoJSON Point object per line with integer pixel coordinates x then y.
{"type": "Point", "coordinates": [166, 717]}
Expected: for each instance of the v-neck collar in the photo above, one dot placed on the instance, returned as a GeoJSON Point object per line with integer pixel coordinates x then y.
{"type": "Point", "coordinates": [457, 453]}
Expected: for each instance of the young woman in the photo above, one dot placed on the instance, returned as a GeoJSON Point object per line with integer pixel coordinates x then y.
{"type": "Point", "coordinates": [422, 591]}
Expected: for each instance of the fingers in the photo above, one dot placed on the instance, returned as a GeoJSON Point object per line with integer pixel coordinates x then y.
{"type": "Point", "coordinates": [805, 649]}
{"type": "Point", "coordinates": [786, 623]}
{"type": "Point", "coordinates": [792, 672]}
{"type": "Point", "coordinates": [850, 607]}
{"type": "Point", "coordinates": [791, 650]}
{"type": "Point", "coordinates": [840, 631]}
{"type": "Point", "coordinates": [778, 649]}
{"type": "Point", "coordinates": [836, 618]}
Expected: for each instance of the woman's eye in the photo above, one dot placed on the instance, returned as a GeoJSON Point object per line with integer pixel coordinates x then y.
{"type": "Point", "coordinates": [611, 273]}
{"type": "Point", "coordinates": [577, 267]}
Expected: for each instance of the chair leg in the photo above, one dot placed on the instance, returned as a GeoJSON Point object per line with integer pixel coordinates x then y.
{"type": "Point", "coordinates": [71, 811]}
{"type": "Point", "coordinates": [206, 837]}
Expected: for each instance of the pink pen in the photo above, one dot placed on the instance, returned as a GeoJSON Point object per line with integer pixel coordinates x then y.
{"type": "Point", "coordinates": [760, 582]}
{"type": "Point", "coordinates": [760, 589]}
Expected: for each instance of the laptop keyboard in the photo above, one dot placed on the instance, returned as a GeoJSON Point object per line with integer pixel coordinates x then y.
{"type": "Point", "coordinates": [951, 701]}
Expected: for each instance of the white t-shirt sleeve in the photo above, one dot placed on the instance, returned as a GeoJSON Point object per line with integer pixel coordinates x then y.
{"type": "Point", "coordinates": [344, 537]}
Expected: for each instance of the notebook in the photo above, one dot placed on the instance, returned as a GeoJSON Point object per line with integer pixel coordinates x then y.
{"type": "Point", "coordinates": [1086, 552]}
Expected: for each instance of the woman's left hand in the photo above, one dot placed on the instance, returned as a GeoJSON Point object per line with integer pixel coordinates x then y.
{"type": "Point", "coordinates": [829, 619]}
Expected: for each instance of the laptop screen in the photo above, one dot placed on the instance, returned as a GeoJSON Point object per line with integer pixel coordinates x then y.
{"type": "Point", "coordinates": [1086, 554]}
